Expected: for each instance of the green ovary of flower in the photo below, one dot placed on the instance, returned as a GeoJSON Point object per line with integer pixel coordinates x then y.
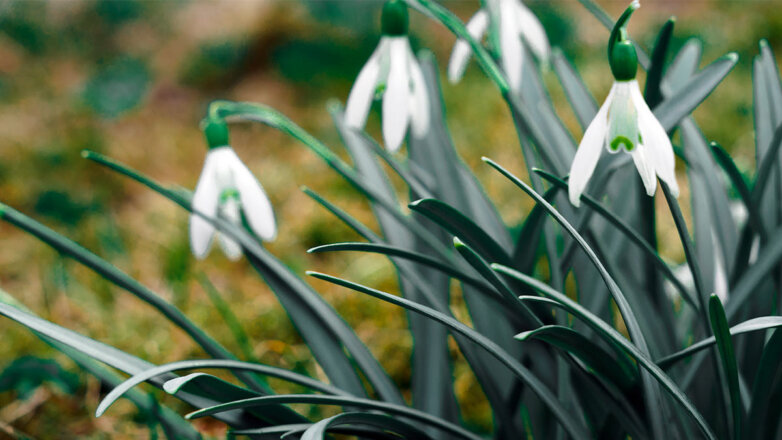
{"type": "Point", "coordinates": [229, 194]}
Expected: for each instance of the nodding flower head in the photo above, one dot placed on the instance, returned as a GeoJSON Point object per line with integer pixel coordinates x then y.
{"type": "Point", "coordinates": [393, 73]}
{"type": "Point", "coordinates": [515, 25]}
{"type": "Point", "coordinates": [624, 123]}
{"type": "Point", "coordinates": [227, 190]}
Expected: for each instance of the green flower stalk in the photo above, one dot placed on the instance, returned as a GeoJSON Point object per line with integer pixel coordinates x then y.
{"type": "Point", "coordinates": [227, 189]}
{"type": "Point", "coordinates": [624, 123]}
{"type": "Point", "coordinates": [393, 72]}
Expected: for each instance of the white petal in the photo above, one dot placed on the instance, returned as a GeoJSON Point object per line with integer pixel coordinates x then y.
{"type": "Point", "coordinates": [396, 113]}
{"type": "Point", "coordinates": [476, 27]}
{"type": "Point", "coordinates": [645, 168]}
{"type": "Point", "coordinates": [658, 145]}
{"type": "Point", "coordinates": [363, 91]}
{"type": "Point", "coordinates": [588, 152]}
{"type": "Point", "coordinates": [622, 119]}
{"type": "Point", "coordinates": [419, 102]}
{"type": "Point", "coordinates": [533, 33]}
{"type": "Point", "coordinates": [229, 210]}
{"type": "Point", "coordinates": [230, 248]}
{"type": "Point", "coordinates": [255, 203]}
{"type": "Point", "coordinates": [512, 51]}
{"type": "Point", "coordinates": [205, 200]}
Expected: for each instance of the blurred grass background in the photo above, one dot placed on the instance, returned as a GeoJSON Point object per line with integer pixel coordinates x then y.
{"type": "Point", "coordinates": [132, 78]}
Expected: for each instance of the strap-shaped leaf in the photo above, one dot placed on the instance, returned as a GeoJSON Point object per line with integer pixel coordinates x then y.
{"type": "Point", "coordinates": [422, 417]}
{"type": "Point", "coordinates": [113, 357]}
{"type": "Point", "coordinates": [676, 107]}
{"type": "Point", "coordinates": [719, 324]}
{"type": "Point", "coordinates": [539, 388]}
{"type": "Point", "coordinates": [652, 90]}
{"type": "Point", "coordinates": [459, 225]}
{"type": "Point", "coordinates": [751, 325]}
{"type": "Point", "coordinates": [478, 360]}
{"type": "Point", "coordinates": [432, 389]}
{"type": "Point", "coordinates": [611, 335]}
{"type": "Point", "coordinates": [633, 236]}
{"type": "Point", "coordinates": [755, 275]}
{"type": "Point", "coordinates": [651, 391]}
{"type": "Point", "coordinates": [172, 423]}
{"type": "Point", "coordinates": [394, 251]}
{"type": "Point", "coordinates": [211, 387]}
{"type": "Point", "coordinates": [763, 420]}
{"type": "Point", "coordinates": [526, 248]}
{"type": "Point", "coordinates": [266, 370]}
{"type": "Point", "coordinates": [741, 187]}
{"type": "Point", "coordinates": [389, 424]}
{"type": "Point", "coordinates": [482, 267]}
{"type": "Point", "coordinates": [584, 105]}
{"type": "Point", "coordinates": [617, 369]}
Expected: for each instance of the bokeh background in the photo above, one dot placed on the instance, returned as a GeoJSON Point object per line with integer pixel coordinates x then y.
{"type": "Point", "coordinates": [132, 78]}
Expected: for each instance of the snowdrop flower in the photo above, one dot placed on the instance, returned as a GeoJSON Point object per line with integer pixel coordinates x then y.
{"type": "Point", "coordinates": [515, 22]}
{"type": "Point", "coordinates": [624, 122]}
{"type": "Point", "coordinates": [392, 71]}
{"type": "Point", "coordinates": [228, 190]}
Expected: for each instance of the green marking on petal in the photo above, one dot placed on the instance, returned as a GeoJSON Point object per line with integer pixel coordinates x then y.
{"type": "Point", "coordinates": [229, 194]}
{"type": "Point", "coordinates": [622, 140]}
{"type": "Point", "coordinates": [379, 90]}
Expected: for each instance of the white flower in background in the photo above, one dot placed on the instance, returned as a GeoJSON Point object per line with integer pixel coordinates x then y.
{"type": "Point", "coordinates": [392, 71]}
{"type": "Point", "coordinates": [624, 122]}
{"type": "Point", "coordinates": [228, 190]}
{"type": "Point", "coordinates": [514, 22]}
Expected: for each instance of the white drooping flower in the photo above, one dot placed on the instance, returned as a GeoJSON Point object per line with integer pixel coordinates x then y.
{"type": "Point", "coordinates": [514, 22]}
{"type": "Point", "coordinates": [624, 122]}
{"type": "Point", "coordinates": [228, 190]}
{"type": "Point", "coordinates": [392, 72]}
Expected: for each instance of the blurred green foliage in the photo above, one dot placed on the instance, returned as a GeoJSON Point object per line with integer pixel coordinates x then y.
{"type": "Point", "coordinates": [117, 87]}
{"type": "Point", "coordinates": [26, 373]}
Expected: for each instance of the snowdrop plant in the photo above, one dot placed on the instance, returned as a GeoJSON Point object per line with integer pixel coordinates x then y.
{"type": "Point", "coordinates": [393, 73]}
{"type": "Point", "coordinates": [624, 123]}
{"type": "Point", "coordinates": [600, 351]}
{"type": "Point", "coordinates": [514, 25]}
{"type": "Point", "coordinates": [227, 189]}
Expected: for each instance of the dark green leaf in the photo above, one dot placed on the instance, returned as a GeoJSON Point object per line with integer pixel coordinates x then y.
{"type": "Point", "coordinates": [266, 370]}
{"type": "Point", "coordinates": [676, 107]}
{"type": "Point", "coordinates": [341, 401]}
{"type": "Point", "coordinates": [751, 325]}
{"type": "Point", "coordinates": [581, 100]}
{"type": "Point", "coordinates": [614, 337]}
{"type": "Point", "coordinates": [652, 92]}
{"type": "Point", "coordinates": [386, 423]}
{"type": "Point", "coordinates": [617, 369]}
{"type": "Point", "coordinates": [459, 225]}
{"type": "Point", "coordinates": [568, 422]}
{"type": "Point", "coordinates": [719, 324]}
{"type": "Point", "coordinates": [763, 420]}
